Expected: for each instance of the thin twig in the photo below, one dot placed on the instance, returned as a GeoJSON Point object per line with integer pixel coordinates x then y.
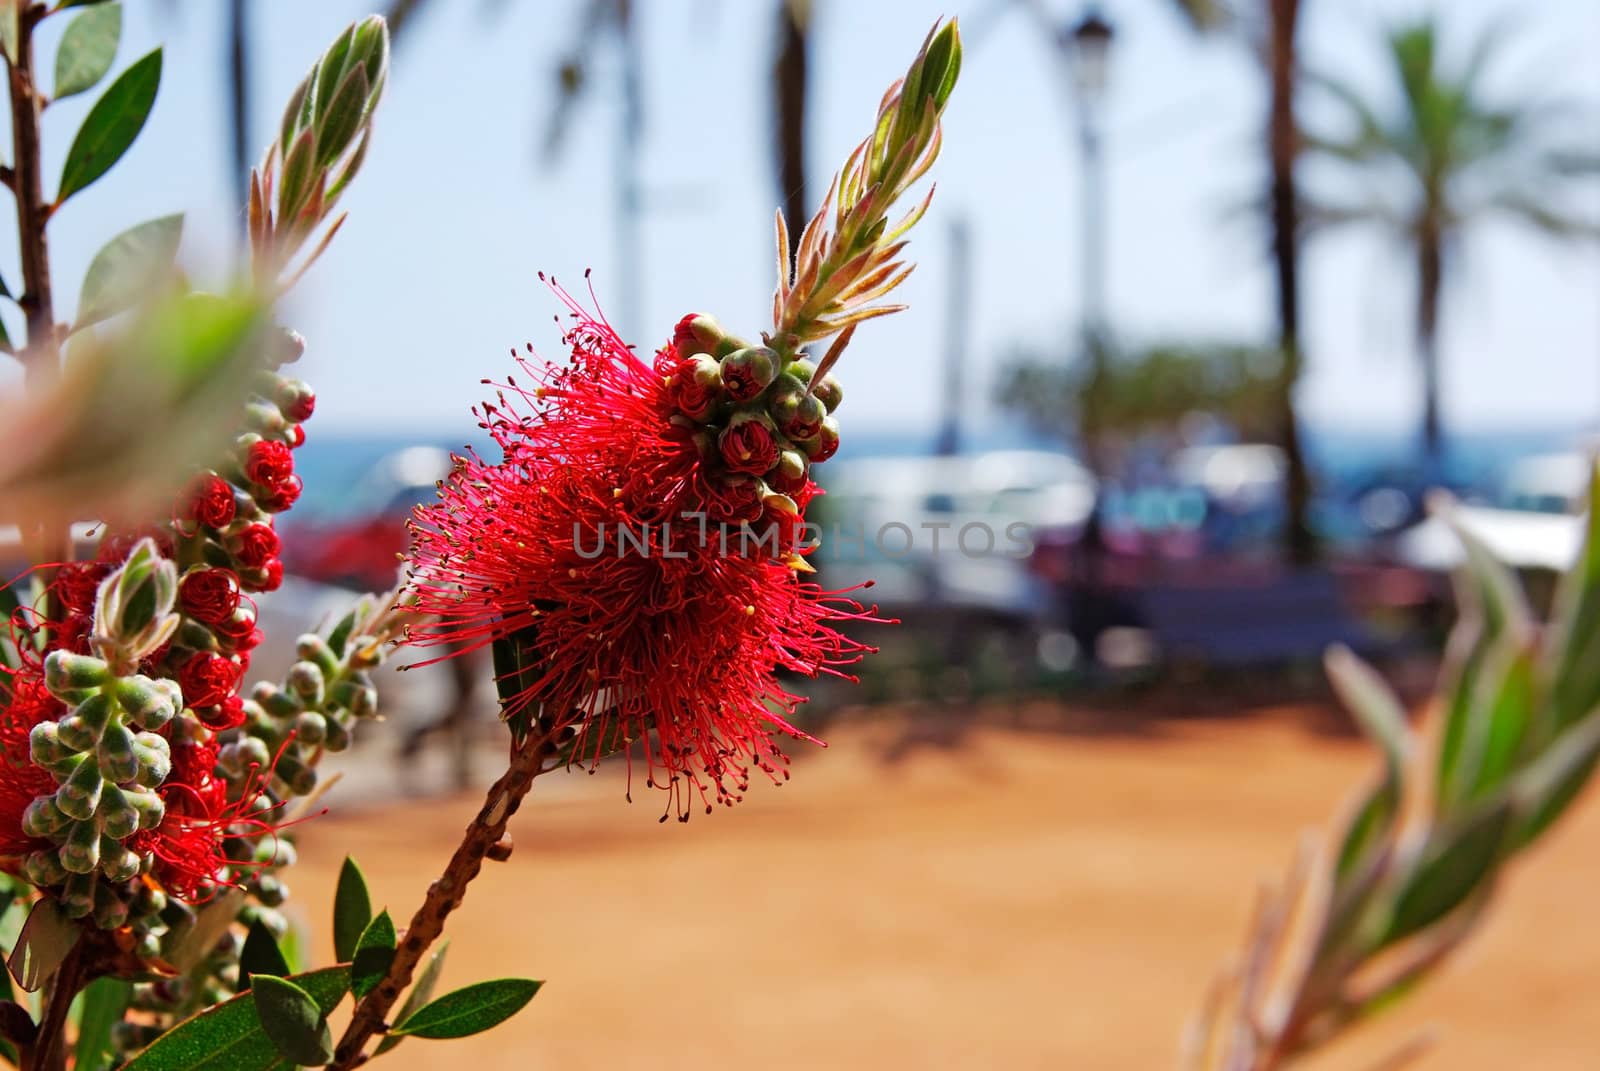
{"type": "Point", "coordinates": [444, 896]}
{"type": "Point", "coordinates": [49, 1052]}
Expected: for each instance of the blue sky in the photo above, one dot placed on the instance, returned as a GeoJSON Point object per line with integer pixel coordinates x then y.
{"type": "Point", "coordinates": [434, 277]}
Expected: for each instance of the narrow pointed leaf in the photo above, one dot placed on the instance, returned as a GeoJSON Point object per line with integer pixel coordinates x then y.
{"type": "Point", "coordinates": [352, 910]}
{"type": "Point", "coordinates": [1452, 872]}
{"type": "Point", "coordinates": [261, 955]}
{"type": "Point", "coordinates": [88, 48]}
{"type": "Point", "coordinates": [229, 1036]}
{"type": "Point", "coordinates": [292, 1020]}
{"type": "Point", "coordinates": [104, 1002]}
{"type": "Point", "coordinates": [470, 1010]}
{"type": "Point", "coordinates": [421, 993]}
{"type": "Point", "coordinates": [129, 267]}
{"type": "Point", "coordinates": [113, 123]}
{"type": "Point", "coordinates": [374, 953]}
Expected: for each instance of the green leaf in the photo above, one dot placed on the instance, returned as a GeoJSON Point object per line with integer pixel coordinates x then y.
{"type": "Point", "coordinates": [343, 117]}
{"type": "Point", "coordinates": [470, 1010]}
{"type": "Point", "coordinates": [9, 10]}
{"type": "Point", "coordinates": [1547, 787]}
{"type": "Point", "coordinates": [46, 938]}
{"type": "Point", "coordinates": [1383, 719]}
{"type": "Point", "coordinates": [1574, 672]}
{"type": "Point", "coordinates": [197, 939]}
{"type": "Point", "coordinates": [374, 953]}
{"type": "Point", "coordinates": [128, 267]}
{"type": "Point", "coordinates": [421, 993]}
{"type": "Point", "coordinates": [1461, 864]}
{"type": "Point", "coordinates": [104, 1002]}
{"type": "Point", "coordinates": [294, 1022]}
{"type": "Point", "coordinates": [352, 910]}
{"type": "Point", "coordinates": [87, 49]}
{"type": "Point", "coordinates": [113, 123]}
{"type": "Point", "coordinates": [260, 955]}
{"type": "Point", "coordinates": [229, 1037]}
{"type": "Point", "coordinates": [516, 663]}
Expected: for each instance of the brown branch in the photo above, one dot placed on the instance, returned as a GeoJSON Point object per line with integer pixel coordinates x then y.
{"type": "Point", "coordinates": [41, 355]}
{"type": "Point", "coordinates": [49, 1051]}
{"type": "Point", "coordinates": [444, 896]}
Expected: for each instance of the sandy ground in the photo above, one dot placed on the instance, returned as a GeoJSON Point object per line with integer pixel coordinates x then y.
{"type": "Point", "coordinates": [1027, 899]}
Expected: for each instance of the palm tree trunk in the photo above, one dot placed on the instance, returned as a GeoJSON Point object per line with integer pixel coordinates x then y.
{"type": "Point", "coordinates": [789, 75]}
{"type": "Point", "coordinates": [1430, 278]}
{"type": "Point", "coordinates": [1283, 142]}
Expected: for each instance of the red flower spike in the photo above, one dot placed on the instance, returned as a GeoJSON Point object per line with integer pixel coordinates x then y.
{"type": "Point", "coordinates": [595, 539]}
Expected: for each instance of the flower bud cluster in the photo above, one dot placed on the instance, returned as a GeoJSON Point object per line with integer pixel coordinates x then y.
{"type": "Point", "coordinates": [106, 753]}
{"type": "Point", "coordinates": [313, 709]}
{"type": "Point", "coordinates": [760, 420]}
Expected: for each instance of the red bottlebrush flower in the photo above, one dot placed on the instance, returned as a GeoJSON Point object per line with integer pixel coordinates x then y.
{"type": "Point", "coordinates": [209, 595]}
{"type": "Point", "coordinates": [684, 639]}
{"type": "Point", "coordinates": [207, 679]}
{"type": "Point", "coordinates": [273, 575]}
{"type": "Point", "coordinates": [188, 845]}
{"type": "Point", "coordinates": [21, 782]}
{"type": "Point", "coordinates": [77, 583]}
{"type": "Point", "coordinates": [257, 545]}
{"type": "Point", "coordinates": [210, 501]}
{"type": "Point", "coordinates": [748, 446]}
{"type": "Point", "coordinates": [297, 436]}
{"type": "Point", "coordinates": [268, 463]}
{"type": "Point", "coordinates": [281, 496]}
{"type": "Point", "coordinates": [693, 394]}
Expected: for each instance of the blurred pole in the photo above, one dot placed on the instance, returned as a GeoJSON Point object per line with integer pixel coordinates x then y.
{"type": "Point", "coordinates": [239, 99]}
{"type": "Point", "coordinates": [958, 315]}
{"type": "Point", "coordinates": [1088, 46]}
{"type": "Point", "coordinates": [790, 78]}
{"type": "Point", "coordinates": [630, 130]}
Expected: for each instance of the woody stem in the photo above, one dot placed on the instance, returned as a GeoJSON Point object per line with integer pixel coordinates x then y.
{"type": "Point", "coordinates": [444, 896]}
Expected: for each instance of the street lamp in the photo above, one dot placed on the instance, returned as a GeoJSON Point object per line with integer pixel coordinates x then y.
{"type": "Point", "coordinates": [1087, 45]}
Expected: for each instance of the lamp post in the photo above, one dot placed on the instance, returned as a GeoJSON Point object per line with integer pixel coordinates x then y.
{"type": "Point", "coordinates": [1087, 45]}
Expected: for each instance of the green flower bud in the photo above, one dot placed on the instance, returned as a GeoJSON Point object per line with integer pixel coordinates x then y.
{"type": "Point", "coordinates": [829, 392]}
{"type": "Point", "coordinates": [825, 444]}
{"type": "Point", "coordinates": [700, 332]}
{"type": "Point", "coordinates": [272, 893]}
{"type": "Point", "coordinates": [238, 757]}
{"type": "Point", "coordinates": [311, 728]}
{"type": "Point", "coordinates": [133, 610]}
{"type": "Point", "coordinates": [44, 869]}
{"type": "Point", "coordinates": [306, 681]}
{"type": "Point", "coordinates": [80, 794]}
{"type": "Point", "coordinates": [110, 911]}
{"type": "Point", "coordinates": [119, 865]}
{"type": "Point", "coordinates": [43, 819]}
{"type": "Point", "coordinates": [155, 759]}
{"type": "Point", "coordinates": [300, 777]}
{"type": "Point", "coordinates": [338, 735]}
{"type": "Point", "coordinates": [150, 807]}
{"type": "Point", "coordinates": [791, 467]}
{"type": "Point", "coordinates": [76, 735]}
{"type": "Point", "coordinates": [275, 852]}
{"type": "Point", "coordinates": [149, 704]}
{"type": "Point", "coordinates": [77, 894]}
{"type": "Point", "coordinates": [45, 746]}
{"type": "Point", "coordinates": [80, 852]}
{"type": "Point", "coordinates": [119, 818]}
{"type": "Point", "coordinates": [797, 414]}
{"type": "Point", "coordinates": [64, 672]}
{"type": "Point", "coordinates": [313, 648]}
{"type": "Point", "coordinates": [116, 755]}
{"type": "Point", "coordinates": [276, 702]}
{"type": "Point", "coordinates": [748, 372]}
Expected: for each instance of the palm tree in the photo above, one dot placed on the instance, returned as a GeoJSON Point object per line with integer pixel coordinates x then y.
{"type": "Point", "coordinates": [1278, 38]}
{"type": "Point", "coordinates": [1463, 158]}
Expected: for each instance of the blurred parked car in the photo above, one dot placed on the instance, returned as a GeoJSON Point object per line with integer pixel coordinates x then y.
{"type": "Point", "coordinates": [358, 544]}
